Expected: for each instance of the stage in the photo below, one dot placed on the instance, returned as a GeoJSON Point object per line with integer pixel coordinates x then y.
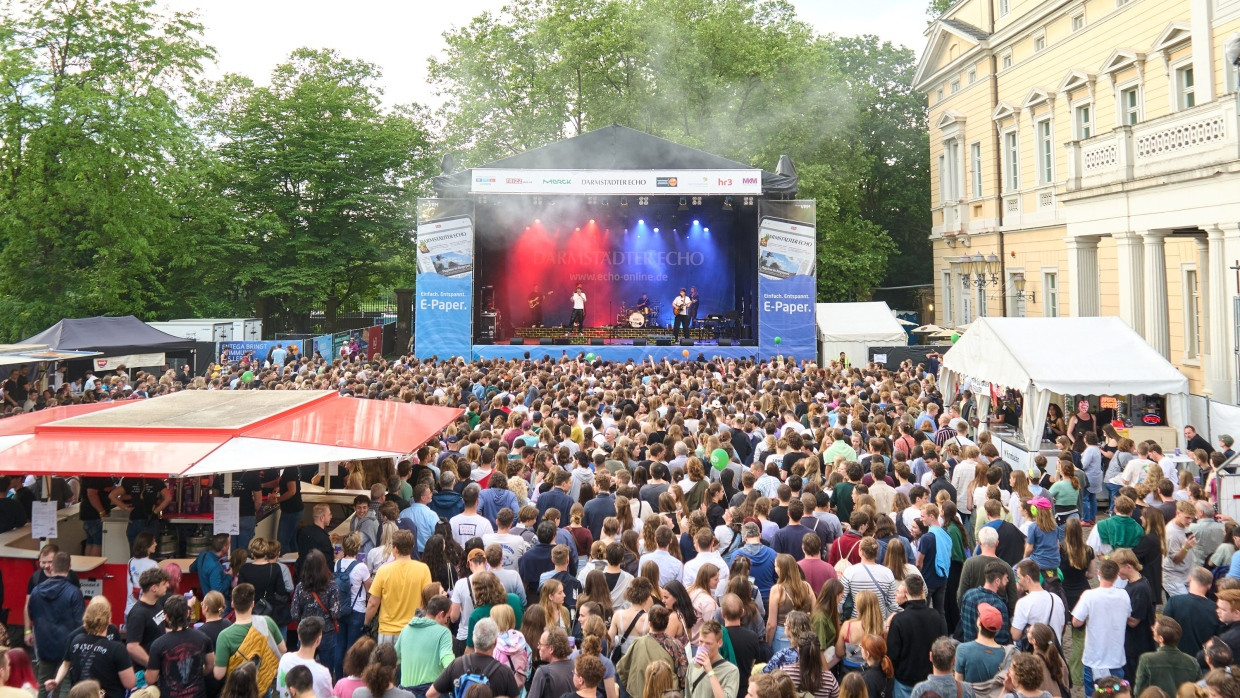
{"type": "Point", "coordinates": [614, 352]}
{"type": "Point", "coordinates": [622, 237]}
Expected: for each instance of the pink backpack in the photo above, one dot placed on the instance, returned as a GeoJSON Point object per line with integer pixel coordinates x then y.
{"type": "Point", "coordinates": [514, 652]}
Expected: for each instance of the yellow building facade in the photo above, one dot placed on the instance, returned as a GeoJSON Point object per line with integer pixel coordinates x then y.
{"type": "Point", "coordinates": [1085, 159]}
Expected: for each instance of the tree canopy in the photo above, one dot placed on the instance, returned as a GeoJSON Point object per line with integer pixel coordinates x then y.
{"type": "Point", "coordinates": [130, 185]}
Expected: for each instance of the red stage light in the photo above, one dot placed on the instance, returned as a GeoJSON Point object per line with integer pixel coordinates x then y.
{"type": "Point", "coordinates": [591, 221]}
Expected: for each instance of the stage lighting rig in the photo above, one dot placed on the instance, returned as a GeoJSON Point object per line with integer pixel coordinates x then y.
{"type": "Point", "coordinates": [749, 201]}
{"type": "Point", "coordinates": [624, 202]}
{"type": "Point", "coordinates": [643, 200]}
{"type": "Point", "coordinates": [683, 205]}
{"type": "Point", "coordinates": [727, 203]}
{"type": "Point", "coordinates": [697, 201]}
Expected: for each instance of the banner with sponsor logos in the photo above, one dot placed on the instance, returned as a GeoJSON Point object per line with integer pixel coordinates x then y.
{"type": "Point", "coordinates": [111, 363]}
{"type": "Point", "coordinates": [617, 182]}
{"type": "Point", "coordinates": [787, 256]}
{"type": "Point", "coordinates": [444, 306]}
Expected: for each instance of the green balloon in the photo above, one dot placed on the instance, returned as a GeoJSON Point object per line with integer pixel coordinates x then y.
{"type": "Point", "coordinates": [955, 337]}
{"type": "Point", "coordinates": [247, 376]}
{"type": "Point", "coordinates": [779, 340]}
{"type": "Point", "coordinates": [719, 458]}
{"type": "Point", "coordinates": [590, 357]}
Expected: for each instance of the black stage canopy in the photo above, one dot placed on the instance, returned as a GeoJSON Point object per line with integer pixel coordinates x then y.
{"type": "Point", "coordinates": [618, 147]}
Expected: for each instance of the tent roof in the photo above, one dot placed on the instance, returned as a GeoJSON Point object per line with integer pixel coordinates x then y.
{"type": "Point", "coordinates": [108, 335]}
{"type": "Point", "coordinates": [616, 147]}
{"type": "Point", "coordinates": [858, 322]}
{"type": "Point", "coordinates": [1066, 355]}
{"type": "Point", "coordinates": [207, 432]}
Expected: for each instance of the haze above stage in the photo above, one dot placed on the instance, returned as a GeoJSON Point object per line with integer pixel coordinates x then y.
{"type": "Point", "coordinates": [622, 213]}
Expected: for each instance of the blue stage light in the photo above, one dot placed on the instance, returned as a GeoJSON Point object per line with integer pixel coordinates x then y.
{"type": "Point", "coordinates": [706, 229]}
{"type": "Point", "coordinates": [695, 222]}
{"type": "Point", "coordinates": [656, 230]}
{"type": "Point", "coordinates": [641, 221]}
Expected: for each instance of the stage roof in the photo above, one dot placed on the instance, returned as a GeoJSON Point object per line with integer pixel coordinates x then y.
{"type": "Point", "coordinates": [208, 432]}
{"type": "Point", "coordinates": [615, 147]}
{"type": "Point", "coordinates": [109, 335]}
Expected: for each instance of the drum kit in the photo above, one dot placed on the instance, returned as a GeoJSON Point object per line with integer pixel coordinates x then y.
{"type": "Point", "coordinates": [638, 318]}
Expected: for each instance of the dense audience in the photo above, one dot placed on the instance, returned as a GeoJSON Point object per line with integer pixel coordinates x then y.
{"type": "Point", "coordinates": [706, 528]}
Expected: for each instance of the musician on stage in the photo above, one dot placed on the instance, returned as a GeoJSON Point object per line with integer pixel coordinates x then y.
{"type": "Point", "coordinates": [536, 312]}
{"type": "Point", "coordinates": [643, 305]}
{"type": "Point", "coordinates": [680, 308]}
{"type": "Point", "coordinates": [693, 305]}
{"type": "Point", "coordinates": [579, 309]}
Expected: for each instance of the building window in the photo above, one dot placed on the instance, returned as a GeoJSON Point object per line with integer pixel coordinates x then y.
{"type": "Point", "coordinates": [1078, 21]}
{"type": "Point", "coordinates": [1121, 3]}
{"type": "Point", "coordinates": [1003, 7]}
{"type": "Point", "coordinates": [1130, 105]}
{"type": "Point", "coordinates": [955, 86]}
{"type": "Point", "coordinates": [966, 302]}
{"type": "Point", "coordinates": [1006, 60]}
{"type": "Point", "coordinates": [1050, 294]}
{"type": "Point", "coordinates": [975, 166]}
{"type": "Point", "coordinates": [946, 305]}
{"type": "Point", "coordinates": [1016, 300]}
{"type": "Point", "coordinates": [1046, 152]}
{"type": "Point", "coordinates": [1011, 152]}
{"type": "Point", "coordinates": [972, 76]}
{"type": "Point", "coordinates": [1039, 44]}
{"type": "Point", "coordinates": [1192, 315]}
{"type": "Point", "coordinates": [1185, 96]}
{"type": "Point", "coordinates": [938, 95]}
{"type": "Point", "coordinates": [1084, 121]}
{"type": "Point", "coordinates": [943, 179]}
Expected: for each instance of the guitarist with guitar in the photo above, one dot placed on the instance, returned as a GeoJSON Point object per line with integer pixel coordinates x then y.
{"type": "Point", "coordinates": [536, 299]}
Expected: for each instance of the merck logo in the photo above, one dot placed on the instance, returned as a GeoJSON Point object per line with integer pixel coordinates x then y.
{"type": "Point", "coordinates": [749, 180]}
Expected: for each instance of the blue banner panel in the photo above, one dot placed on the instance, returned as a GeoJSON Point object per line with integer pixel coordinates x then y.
{"type": "Point", "coordinates": [787, 264]}
{"type": "Point", "coordinates": [444, 304]}
{"type": "Point", "coordinates": [323, 345]}
{"type": "Point", "coordinates": [236, 350]}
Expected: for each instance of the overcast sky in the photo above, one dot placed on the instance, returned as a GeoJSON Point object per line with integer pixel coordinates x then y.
{"type": "Point", "coordinates": [253, 36]}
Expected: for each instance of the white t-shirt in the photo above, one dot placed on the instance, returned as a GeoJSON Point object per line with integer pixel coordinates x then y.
{"type": "Point", "coordinates": [136, 567]}
{"type": "Point", "coordinates": [466, 526]}
{"type": "Point", "coordinates": [322, 677]}
{"type": "Point", "coordinates": [579, 301]}
{"type": "Point", "coordinates": [513, 546]}
{"type": "Point", "coordinates": [1040, 607]}
{"type": "Point", "coordinates": [1105, 612]}
{"type": "Point", "coordinates": [463, 595]}
{"type": "Point", "coordinates": [357, 578]}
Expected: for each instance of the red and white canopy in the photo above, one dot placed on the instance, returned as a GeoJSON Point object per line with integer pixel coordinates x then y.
{"type": "Point", "coordinates": [209, 432]}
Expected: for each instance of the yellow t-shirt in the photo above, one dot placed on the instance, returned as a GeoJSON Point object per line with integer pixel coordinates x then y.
{"type": "Point", "coordinates": [399, 587]}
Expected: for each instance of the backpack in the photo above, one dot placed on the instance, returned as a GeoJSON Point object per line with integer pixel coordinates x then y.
{"type": "Point", "coordinates": [469, 678]}
{"type": "Point", "coordinates": [512, 649]}
{"type": "Point", "coordinates": [344, 586]}
{"type": "Point", "coordinates": [259, 647]}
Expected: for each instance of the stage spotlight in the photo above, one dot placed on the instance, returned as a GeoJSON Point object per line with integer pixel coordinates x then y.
{"type": "Point", "coordinates": [695, 221]}
{"type": "Point", "coordinates": [576, 230]}
{"type": "Point", "coordinates": [591, 221]}
{"type": "Point", "coordinates": [684, 204]}
{"type": "Point", "coordinates": [591, 200]}
{"type": "Point", "coordinates": [706, 230]}
{"type": "Point", "coordinates": [624, 201]}
{"type": "Point", "coordinates": [538, 221]}
{"type": "Point", "coordinates": [697, 201]}
{"type": "Point", "coordinates": [656, 230]}
{"type": "Point", "coordinates": [643, 200]}
{"type": "Point", "coordinates": [727, 203]}
{"type": "Point", "coordinates": [749, 201]}
{"type": "Point", "coordinates": [641, 221]}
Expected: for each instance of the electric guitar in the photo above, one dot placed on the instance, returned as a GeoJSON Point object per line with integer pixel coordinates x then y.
{"type": "Point", "coordinates": [537, 300]}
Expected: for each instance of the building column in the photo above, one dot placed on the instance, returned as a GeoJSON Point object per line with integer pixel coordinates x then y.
{"type": "Point", "coordinates": [1157, 326]}
{"type": "Point", "coordinates": [1131, 280]}
{"type": "Point", "coordinates": [1083, 273]}
{"type": "Point", "coordinates": [1219, 360]}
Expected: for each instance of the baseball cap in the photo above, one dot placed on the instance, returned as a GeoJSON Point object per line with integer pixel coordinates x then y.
{"type": "Point", "coordinates": [477, 555]}
{"type": "Point", "coordinates": [989, 617]}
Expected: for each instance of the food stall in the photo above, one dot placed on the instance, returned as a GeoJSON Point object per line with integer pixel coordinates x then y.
{"type": "Point", "coordinates": [189, 436]}
{"type": "Point", "coordinates": [1062, 361]}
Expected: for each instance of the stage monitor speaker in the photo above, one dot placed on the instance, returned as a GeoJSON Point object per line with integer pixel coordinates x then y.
{"type": "Point", "coordinates": [749, 342]}
{"type": "Point", "coordinates": [663, 341]}
{"type": "Point", "coordinates": [516, 340]}
{"type": "Point", "coordinates": [725, 342]}
{"type": "Point", "coordinates": [596, 341]}
{"type": "Point", "coordinates": [686, 341]}
{"type": "Point", "coordinates": [546, 341]}
{"type": "Point", "coordinates": [639, 341]}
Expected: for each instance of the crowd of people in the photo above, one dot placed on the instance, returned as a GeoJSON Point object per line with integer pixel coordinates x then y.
{"type": "Point", "coordinates": [705, 529]}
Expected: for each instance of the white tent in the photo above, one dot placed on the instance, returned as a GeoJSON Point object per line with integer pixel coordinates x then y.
{"type": "Point", "coordinates": [855, 327]}
{"type": "Point", "coordinates": [1066, 356]}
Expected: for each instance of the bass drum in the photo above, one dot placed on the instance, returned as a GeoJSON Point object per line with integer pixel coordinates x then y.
{"type": "Point", "coordinates": [637, 319]}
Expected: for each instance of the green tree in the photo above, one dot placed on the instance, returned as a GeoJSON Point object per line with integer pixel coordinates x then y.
{"type": "Point", "coordinates": [741, 78]}
{"type": "Point", "coordinates": [92, 145]}
{"type": "Point", "coordinates": [323, 181]}
{"type": "Point", "coordinates": [938, 7]}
